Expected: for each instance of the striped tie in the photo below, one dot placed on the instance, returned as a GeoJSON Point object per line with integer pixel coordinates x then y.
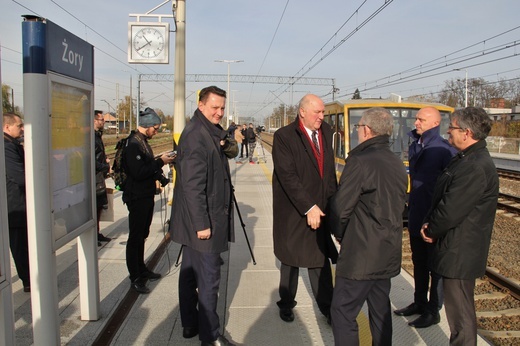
{"type": "Point", "coordinates": [315, 141]}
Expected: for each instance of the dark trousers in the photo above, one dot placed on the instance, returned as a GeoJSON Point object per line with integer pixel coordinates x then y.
{"type": "Point", "coordinates": [460, 311]}
{"type": "Point", "coordinates": [18, 241]}
{"type": "Point", "coordinates": [321, 284]}
{"type": "Point", "coordinates": [422, 257]}
{"type": "Point", "coordinates": [140, 214]}
{"type": "Point", "coordinates": [200, 271]}
{"type": "Point", "coordinates": [244, 145]}
{"type": "Point", "coordinates": [349, 297]}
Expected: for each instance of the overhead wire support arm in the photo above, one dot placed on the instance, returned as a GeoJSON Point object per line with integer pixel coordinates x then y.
{"type": "Point", "coordinates": [242, 79]}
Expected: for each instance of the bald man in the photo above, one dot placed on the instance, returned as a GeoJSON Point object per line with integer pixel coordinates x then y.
{"type": "Point", "coordinates": [428, 155]}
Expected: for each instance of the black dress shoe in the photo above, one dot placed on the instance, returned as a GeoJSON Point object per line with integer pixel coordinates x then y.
{"type": "Point", "coordinates": [27, 288]}
{"type": "Point", "coordinates": [425, 320]}
{"type": "Point", "coordinates": [189, 332]}
{"type": "Point", "coordinates": [150, 275]}
{"type": "Point", "coordinates": [101, 237]}
{"type": "Point", "coordinates": [412, 309]}
{"type": "Point", "coordinates": [287, 315]}
{"type": "Point", "coordinates": [221, 341]}
{"type": "Point", "coordinates": [140, 287]}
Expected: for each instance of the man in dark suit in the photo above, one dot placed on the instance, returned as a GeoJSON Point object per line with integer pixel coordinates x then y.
{"type": "Point", "coordinates": [303, 179]}
{"type": "Point", "coordinates": [202, 215]}
{"type": "Point", "coordinates": [17, 212]}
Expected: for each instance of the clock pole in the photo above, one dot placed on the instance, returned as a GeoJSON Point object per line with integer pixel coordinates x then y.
{"type": "Point", "coordinates": [179, 84]}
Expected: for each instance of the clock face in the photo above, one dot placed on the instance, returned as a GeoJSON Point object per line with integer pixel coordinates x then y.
{"type": "Point", "coordinates": [148, 43]}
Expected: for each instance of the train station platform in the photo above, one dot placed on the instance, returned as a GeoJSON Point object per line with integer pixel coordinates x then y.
{"type": "Point", "coordinates": [248, 292]}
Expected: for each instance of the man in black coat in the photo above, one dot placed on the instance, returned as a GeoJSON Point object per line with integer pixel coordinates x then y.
{"type": "Point", "coordinates": [102, 169]}
{"type": "Point", "coordinates": [143, 170]}
{"type": "Point", "coordinates": [202, 215]}
{"type": "Point", "coordinates": [303, 180]}
{"type": "Point", "coordinates": [366, 216]}
{"type": "Point", "coordinates": [461, 219]}
{"type": "Point", "coordinates": [15, 181]}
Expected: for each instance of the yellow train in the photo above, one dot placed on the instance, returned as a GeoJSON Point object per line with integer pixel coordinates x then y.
{"type": "Point", "coordinates": [343, 115]}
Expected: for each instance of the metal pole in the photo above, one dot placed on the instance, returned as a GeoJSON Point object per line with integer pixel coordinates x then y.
{"type": "Point", "coordinates": [466, 97]}
{"type": "Point", "coordinates": [179, 87]}
{"type": "Point", "coordinates": [131, 105]}
{"type": "Point", "coordinates": [227, 98]}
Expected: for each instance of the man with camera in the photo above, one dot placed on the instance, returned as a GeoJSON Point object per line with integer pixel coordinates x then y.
{"type": "Point", "coordinates": [143, 170]}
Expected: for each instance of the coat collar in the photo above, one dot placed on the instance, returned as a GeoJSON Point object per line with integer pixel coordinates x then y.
{"type": "Point", "coordinates": [379, 141]}
{"type": "Point", "coordinates": [427, 136]}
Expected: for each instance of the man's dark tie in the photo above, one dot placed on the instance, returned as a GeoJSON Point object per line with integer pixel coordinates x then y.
{"type": "Point", "coordinates": [315, 141]}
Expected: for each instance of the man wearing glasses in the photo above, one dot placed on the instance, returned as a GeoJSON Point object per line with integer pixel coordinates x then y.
{"type": "Point", "coordinates": [366, 217]}
{"type": "Point", "coordinates": [460, 221]}
{"type": "Point", "coordinates": [15, 181]}
{"type": "Point", "coordinates": [102, 169]}
{"type": "Point", "coordinates": [143, 170]}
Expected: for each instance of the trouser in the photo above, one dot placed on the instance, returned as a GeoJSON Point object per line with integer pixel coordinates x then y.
{"type": "Point", "coordinates": [140, 214]}
{"type": "Point", "coordinates": [349, 297]}
{"type": "Point", "coordinates": [422, 257]}
{"type": "Point", "coordinates": [460, 310]}
{"type": "Point", "coordinates": [321, 285]}
{"type": "Point", "coordinates": [244, 145]}
{"type": "Point", "coordinates": [19, 244]}
{"type": "Point", "coordinates": [252, 146]}
{"type": "Point", "coordinates": [199, 281]}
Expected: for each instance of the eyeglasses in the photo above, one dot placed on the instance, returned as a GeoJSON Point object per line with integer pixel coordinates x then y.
{"type": "Point", "coordinates": [456, 128]}
{"type": "Point", "coordinates": [357, 126]}
{"type": "Point", "coordinates": [156, 128]}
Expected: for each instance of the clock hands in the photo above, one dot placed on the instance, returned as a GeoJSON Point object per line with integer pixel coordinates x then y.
{"type": "Point", "coordinates": [148, 43]}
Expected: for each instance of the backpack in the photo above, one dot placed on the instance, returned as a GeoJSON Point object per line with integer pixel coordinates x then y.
{"type": "Point", "coordinates": [118, 168]}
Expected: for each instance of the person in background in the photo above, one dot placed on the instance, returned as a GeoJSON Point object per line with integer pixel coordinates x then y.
{"type": "Point", "coordinates": [202, 215]}
{"type": "Point", "coordinates": [102, 169]}
{"type": "Point", "coordinates": [461, 219]}
{"type": "Point", "coordinates": [231, 130]}
{"type": "Point", "coordinates": [243, 131]}
{"type": "Point", "coordinates": [303, 179]}
{"type": "Point", "coordinates": [428, 155]}
{"type": "Point", "coordinates": [251, 141]}
{"type": "Point", "coordinates": [15, 188]}
{"type": "Point", "coordinates": [142, 170]}
{"type": "Point", "coordinates": [366, 217]}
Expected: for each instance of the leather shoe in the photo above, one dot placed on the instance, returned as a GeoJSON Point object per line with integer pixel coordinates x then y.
{"type": "Point", "coordinates": [412, 309]}
{"type": "Point", "coordinates": [150, 275]}
{"type": "Point", "coordinates": [27, 288]}
{"type": "Point", "coordinates": [425, 320]}
{"type": "Point", "coordinates": [221, 341]}
{"type": "Point", "coordinates": [287, 315]}
{"type": "Point", "coordinates": [140, 287]}
{"type": "Point", "coordinates": [101, 237]}
{"type": "Point", "coordinates": [189, 332]}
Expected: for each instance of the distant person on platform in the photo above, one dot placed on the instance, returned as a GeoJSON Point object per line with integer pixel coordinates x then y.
{"type": "Point", "coordinates": [143, 170]}
{"type": "Point", "coordinates": [202, 215]}
{"type": "Point", "coordinates": [243, 131]}
{"type": "Point", "coordinates": [102, 169]}
{"type": "Point", "coordinates": [15, 189]}
{"type": "Point", "coordinates": [251, 141]}
{"type": "Point", "coordinates": [366, 217]}
{"type": "Point", "coordinates": [428, 155]}
{"type": "Point", "coordinates": [303, 180]}
{"type": "Point", "coordinates": [461, 219]}
{"type": "Point", "coordinates": [231, 130]}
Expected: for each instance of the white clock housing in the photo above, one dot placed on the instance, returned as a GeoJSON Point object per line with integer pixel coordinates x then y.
{"type": "Point", "coordinates": [148, 43]}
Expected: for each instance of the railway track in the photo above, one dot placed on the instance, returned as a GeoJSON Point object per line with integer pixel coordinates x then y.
{"type": "Point", "coordinates": [508, 174]}
{"type": "Point", "coordinates": [509, 203]}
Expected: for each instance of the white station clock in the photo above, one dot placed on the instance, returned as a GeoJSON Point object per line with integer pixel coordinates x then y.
{"type": "Point", "coordinates": [148, 43]}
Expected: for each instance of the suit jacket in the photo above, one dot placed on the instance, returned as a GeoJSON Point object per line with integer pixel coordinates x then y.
{"type": "Point", "coordinates": [203, 193]}
{"type": "Point", "coordinates": [297, 186]}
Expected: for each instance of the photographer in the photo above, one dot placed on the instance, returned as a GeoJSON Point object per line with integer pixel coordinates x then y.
{"type": "Point", "coordinates": [139, 193]}
{"type": "Point", "coordinates": [251, 140]}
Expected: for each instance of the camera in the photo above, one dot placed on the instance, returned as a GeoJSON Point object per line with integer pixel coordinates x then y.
{"type": "Point", "coordinates": [172, 153]}
{"type": "Point", "coordinates": [260, 128]}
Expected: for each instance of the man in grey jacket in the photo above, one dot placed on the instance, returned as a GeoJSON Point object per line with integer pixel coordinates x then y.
{"type": "Point", "coordinates": [366, 216]}
{"type": "Point", "coordinates": [202, 215]}
{"type": "Point", "coordinates": [461, 219]}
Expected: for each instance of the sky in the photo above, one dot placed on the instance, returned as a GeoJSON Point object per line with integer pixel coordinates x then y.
{"type": "Point", "coordinates": [405, 47]}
